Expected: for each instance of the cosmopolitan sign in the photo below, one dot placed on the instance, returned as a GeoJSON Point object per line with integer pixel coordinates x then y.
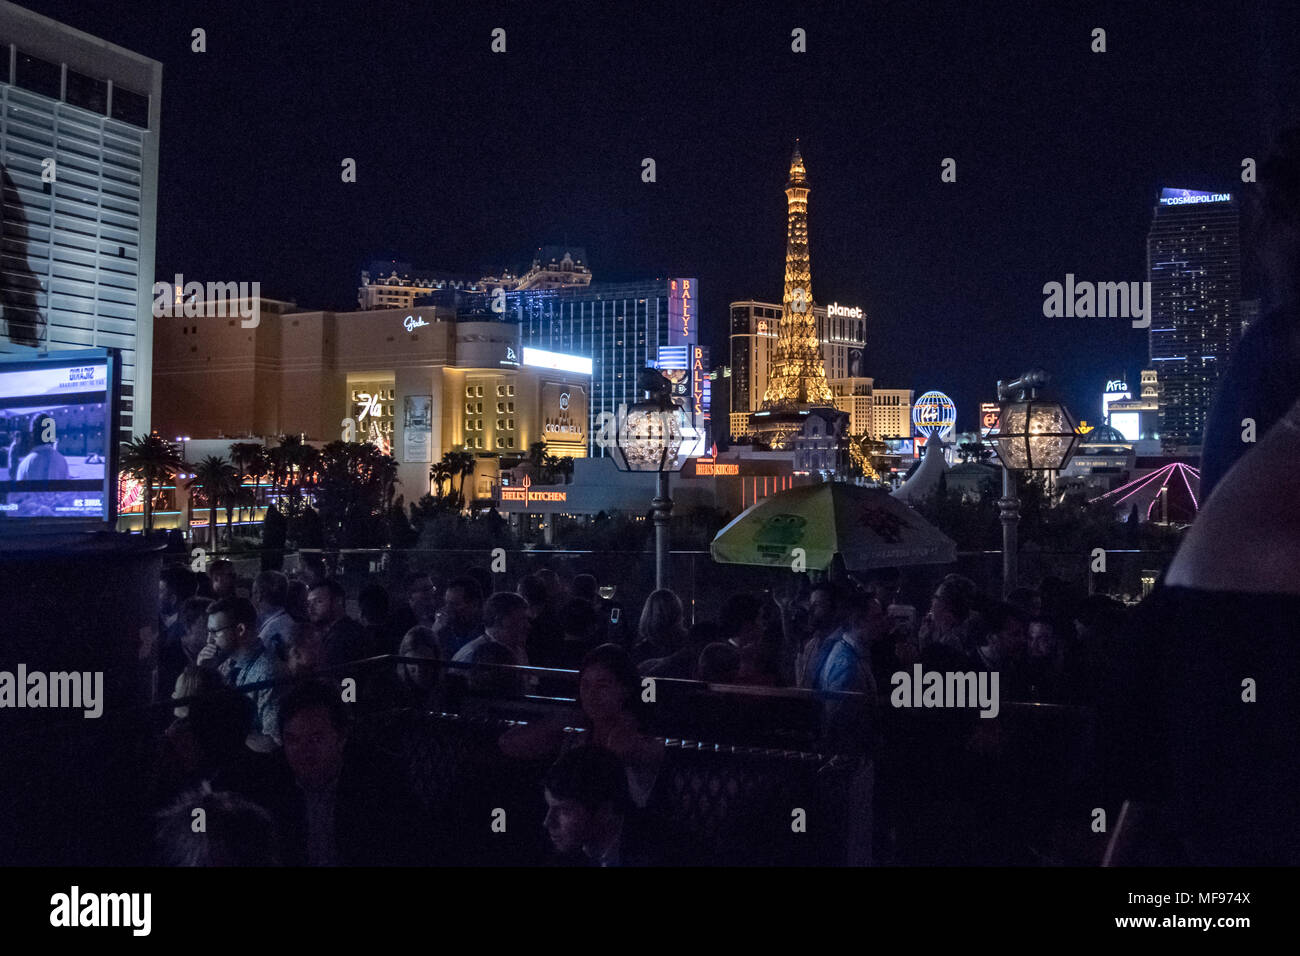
{"type": "Point", "coordinates": [835, 310]}
{"type": "Point", "coordinates": [1187, 197]}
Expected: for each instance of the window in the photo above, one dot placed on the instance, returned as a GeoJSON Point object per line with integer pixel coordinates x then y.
{"type": "Point", "coordinates": [510, 389]}
{"type": "Point", "coordinates": [37, 75]}
{"type": "Point", "coordinates": [510, 406]}
{"type": "Point", "coordinates": [87, 92]}
{"type": "Point", "coordinates": [469, 391]}
{"type": "Point", "coordinates": [512, 424]}
{"type": "Point", "coordinates": [130, 107]}
{"type": "Point", "coordinates": [501, 406]}
{"type": "Point", "coordinates": [478, 391]}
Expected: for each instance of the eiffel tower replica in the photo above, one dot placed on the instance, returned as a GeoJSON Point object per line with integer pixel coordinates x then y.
{"type": "Point", "coordinates": [796, 388]}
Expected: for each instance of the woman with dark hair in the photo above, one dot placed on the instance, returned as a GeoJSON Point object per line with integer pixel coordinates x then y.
{"type": "Point", "coordinates": [609, 700]}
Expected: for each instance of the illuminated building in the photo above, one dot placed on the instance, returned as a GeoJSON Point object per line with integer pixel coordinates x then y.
{"type": "Point", "coordinates": [891, 413]}
{"type": "Point", "coordinates": [419, 383]}
{"type": "Point", "coordinates": [79, 120]}
{"type": "Point", "coordinates": [797, 390]}
{"type": "Point", "coordinates": [753, 344]}
{"type": "Point", "coordinates": [620, 327]}
{"type": "Point", "coordinates": [1138, 419]}
{"type": "Point", "coordinates": [1194, 266]}
{"type": "Point", "coordinates": [395, 285]}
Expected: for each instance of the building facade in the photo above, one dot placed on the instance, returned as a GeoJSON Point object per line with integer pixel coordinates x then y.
{"type": "Point", "coordinates": [621, 327]}
{"type": "Point", "coordinates": [79, 121]}
{"type": "Point", "coordinates": [1194, 267]}
{"type": "Point", "coordinates": [389, 284]}
{"type": "Point", "coordinates": [891, 413]}
{"type": "Point", "coordinates": [417, 385]}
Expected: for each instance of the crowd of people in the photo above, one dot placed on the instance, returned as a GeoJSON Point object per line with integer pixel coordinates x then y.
{"type": "Point", "coordinates": [271, 756]}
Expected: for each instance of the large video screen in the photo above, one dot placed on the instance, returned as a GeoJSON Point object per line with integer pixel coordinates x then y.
{"type": "Point", "coordinates": [55, 429]}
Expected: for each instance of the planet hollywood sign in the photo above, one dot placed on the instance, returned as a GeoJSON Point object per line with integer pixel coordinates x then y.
{"type": "Point", "coordinates": [835, 310]}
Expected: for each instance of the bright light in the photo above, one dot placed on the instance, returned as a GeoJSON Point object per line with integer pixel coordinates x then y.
{"type": "Point", "coordinates": [557, 360]}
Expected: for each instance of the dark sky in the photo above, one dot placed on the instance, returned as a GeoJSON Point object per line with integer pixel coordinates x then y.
{"type": "Point", "coordinates": [468, 160]}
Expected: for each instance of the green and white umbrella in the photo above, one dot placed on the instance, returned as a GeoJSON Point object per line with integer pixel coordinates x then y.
{"type": "Point", "coordinates": [865, 526]}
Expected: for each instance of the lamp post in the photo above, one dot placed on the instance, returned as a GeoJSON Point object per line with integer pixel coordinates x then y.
{"type": "Point", "coordinates": [648, 438]}
{"type": "Point", "coordinates": [1033, 435]}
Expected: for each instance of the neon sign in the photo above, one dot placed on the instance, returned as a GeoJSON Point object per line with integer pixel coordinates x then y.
{"type": "Point", "coordinates": [697, 379]}
{"type": "Point", "coordinates": [835, 309]}
{"type": "Point", "coordinates": [681, 312]}
{"type": "Point", "coordinates": [525, 494]}
{"type": "Point", "coordinates": [1185, 197]}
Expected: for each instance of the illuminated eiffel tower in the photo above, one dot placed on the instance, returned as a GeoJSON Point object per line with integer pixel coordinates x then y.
{"type": "Point", "coordinates": [797, 383]}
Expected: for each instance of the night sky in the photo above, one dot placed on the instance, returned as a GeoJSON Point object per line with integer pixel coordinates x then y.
{"type": "Point", "coordinates": [468, 160]}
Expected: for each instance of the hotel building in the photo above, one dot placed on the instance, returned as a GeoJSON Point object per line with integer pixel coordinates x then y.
{"type": "Point", "coordinates": [1194, 266]}
{"type": "Point", "coordinates": [79, 122]}
{"type": "Point", "coordinates": [415, 383]}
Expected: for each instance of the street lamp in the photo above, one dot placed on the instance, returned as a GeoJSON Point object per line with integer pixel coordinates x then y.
{"type": "Point", "coordinates": [1033, 435]}
{"type": "Point", "coordinates": [649, 438]}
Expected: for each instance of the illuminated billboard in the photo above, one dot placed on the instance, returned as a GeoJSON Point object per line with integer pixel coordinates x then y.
{"type": "Point", "coordinates": [559, 361]}
{"type": "Point", "coordinates": [988, 418]}
{"type": "Point", "coordinates": [1188, 197]}
{"type": "Point", "coordinates": [1127, 424]}
{"type": "Point", "coordinates": [682, 296]}
{"type": "Point", "coordinates": [57, 450]}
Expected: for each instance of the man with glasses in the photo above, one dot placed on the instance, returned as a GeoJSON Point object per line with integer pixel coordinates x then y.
{"type": "Point", "coordinates": [241, 658]}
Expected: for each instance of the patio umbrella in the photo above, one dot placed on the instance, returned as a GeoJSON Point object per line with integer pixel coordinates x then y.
{"type": "Point", "coordinates": [865, 526]}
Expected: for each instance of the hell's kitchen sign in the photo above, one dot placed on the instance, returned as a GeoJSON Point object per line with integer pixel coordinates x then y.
{"type": "Point", "coordinates": [524, 493]}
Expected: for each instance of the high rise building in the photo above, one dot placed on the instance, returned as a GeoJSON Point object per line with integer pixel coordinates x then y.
{"type": "Point", "coordinates": [79, 124]}
{"type": "Point", "coordinates": [797, 410]}
{"type": "Point", "coordinates": [621, 327]}
{"type": "Point", "coordinates": [1194, 266]}
{"type": "Point", "coordinates": [841, 331]}
{"type": "Point", "coordinates": [389, 284]}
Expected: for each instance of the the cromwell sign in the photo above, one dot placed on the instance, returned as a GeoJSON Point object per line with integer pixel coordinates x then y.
{"type": "Point", "coordinates": [564, 412]}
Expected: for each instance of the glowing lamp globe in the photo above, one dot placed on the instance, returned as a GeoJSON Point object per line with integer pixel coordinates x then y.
{"type": "Point", "coordinates": [1035, 436]}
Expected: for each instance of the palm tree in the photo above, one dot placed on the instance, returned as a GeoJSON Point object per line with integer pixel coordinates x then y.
{"type": "Point", "coordinates": [464, 464]}
{"type": "Point", "coordinates": [218, 478]}
{"type": "Point", "coordinates": [441, 474]}
{"type": "Point", "coordinates": [149, 459]}
{"type": "Point", "coordinates": [242, 455]}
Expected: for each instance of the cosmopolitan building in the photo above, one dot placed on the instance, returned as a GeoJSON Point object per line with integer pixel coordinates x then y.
{"type": "Point", "coordinates": [1194, 266]}
{"type": "Point", "coordinates": [79, 124]}
{"type": "Point", "coordinates": [415, 383]}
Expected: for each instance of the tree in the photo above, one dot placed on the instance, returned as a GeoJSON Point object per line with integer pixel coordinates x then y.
{"type": "Point", "coordinates": [244, 455]}
{"type": "Point", "coordinates": [354, 493]}
{"type": "Point", "coordinates": [220, 482]}
{"type": "Point", "coordinates": [149, 459]}
{"type": "Point", "coordinates": [293, 465]}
